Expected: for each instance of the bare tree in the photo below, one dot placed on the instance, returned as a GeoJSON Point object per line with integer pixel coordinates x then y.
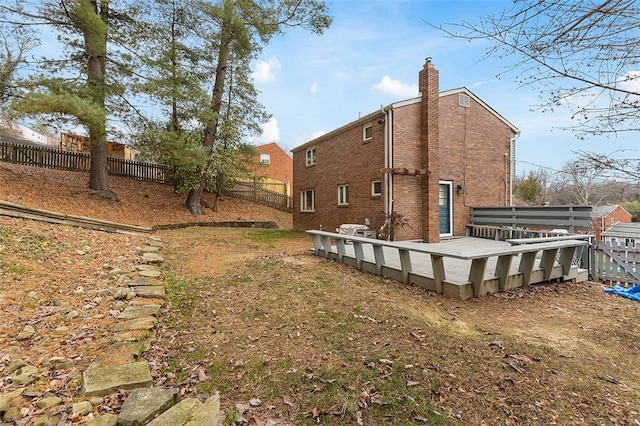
{"type": "Point", "coordinates": [582, 55]}
{"type": "Point", "coordinates": [580, 180]}
{"type": "Point", "coordinates": [15, 43]}
{"type": "Point", "coordinates": [627, 169]}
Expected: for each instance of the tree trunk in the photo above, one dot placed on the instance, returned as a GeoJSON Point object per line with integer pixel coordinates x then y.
{"type": "Point", "coordinates": [95, 40]}
{"type": "Point", "coordinates": [194, 199]}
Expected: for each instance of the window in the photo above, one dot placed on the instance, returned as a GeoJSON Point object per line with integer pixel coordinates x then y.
{"type": "Point", "coordinates": [367, 132]}
{"type": "Point", "coordinates": [376, 188]}
{"type": "Point", "coordinates": [311, 156]}
{"type": "Point", "coordinates": [265, 158]}
{"type": "Point", "coordinates": [308, 200]}
{"type": "Point", "coordinates": [343, 195]}
{"type": "Point", "coordinates": [464, 100]}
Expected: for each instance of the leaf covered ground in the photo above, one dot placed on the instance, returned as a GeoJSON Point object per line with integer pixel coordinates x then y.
{"type": "Point", "coordinates": [288, 338]}
{"type": "Point", "coordinates": [318, 342]}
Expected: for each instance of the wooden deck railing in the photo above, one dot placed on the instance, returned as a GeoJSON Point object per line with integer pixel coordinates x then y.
{"type": "Point", "coordinates": [555, 262]}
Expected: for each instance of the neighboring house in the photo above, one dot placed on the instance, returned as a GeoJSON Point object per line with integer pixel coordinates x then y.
{"type": "Point", "coordinates": [276, 165]}
{"type": "Point", "coordinates": [627, 234]}
{"type": "Point", "coordinates": [427, 159]}
{"type": "Point", "coordinates": [604, 217]}
{"type": "Point", "coordinates": [76, 143]}
{"type": "Point", "coordinates": [19, 133]}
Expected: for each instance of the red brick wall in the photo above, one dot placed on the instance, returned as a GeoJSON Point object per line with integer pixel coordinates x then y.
{"type": "Point", "coordinates": [281, 166]}
{"type": "Point", "coordinates": [601, 224]}
{"type": "Point", "coordinates": [343, 159]}
{"type": "Point", "coordinates": [466, 146]}
{"type": "Point", "coordinates": [407, 153]}
{"type": "Point", "coordinates": [430, 129]}
{"type": "Point", "coordinates": [472, 154]}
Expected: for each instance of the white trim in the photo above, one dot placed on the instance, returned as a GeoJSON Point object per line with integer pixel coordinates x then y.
{"type": "Point", "coordinates": [312, 161]}
{"type": "Point", "coordinates": [374, 116]}
{"type": "Point", "coordinates": [364, 132]}
{"type": "Point", "coordinates": [343, 192]}
{"type": "Point", "coordinates": [449, 184]}
{"type": "Point", "coordinates": [373, 182]}
{"type": "Point", "coordinates": [303, 199]}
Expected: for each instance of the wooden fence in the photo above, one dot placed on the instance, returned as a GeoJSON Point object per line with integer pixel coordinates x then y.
{"type": "Point", "coordinates": [532, 222]}
{"type": "Point", "coordinates": [43, 156]}
{"type": "Point", "coordinates": [569, 218]}
{"type": "Point", "coordinates": [614, 262]}
{"type": "Point", "coordinates": [251, 192]}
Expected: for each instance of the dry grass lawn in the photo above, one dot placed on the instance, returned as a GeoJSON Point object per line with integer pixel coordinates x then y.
{"type": "Point", "coordinates": [288, 338]}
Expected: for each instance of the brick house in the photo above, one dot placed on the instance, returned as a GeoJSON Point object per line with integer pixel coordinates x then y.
{"type": "Point", "coordinates": [427, 159]}
{"type": "Point", "coordinates": [605, 217]}
{"type": "Point", "coordinates": [276, 165]}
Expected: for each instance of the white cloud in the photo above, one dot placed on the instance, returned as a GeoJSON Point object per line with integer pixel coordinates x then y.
{"type": "Point", "coordinates": [270, 133]}
{"type": "Point", "coordinates": [318, 134]}
{"type": "Point", "coordinates": [314, 88]}
{"type": "Point", "coordinates": [395, 87]}
{"type": "Point", "coordinates": [267, 71]}
{"type": "Point", "coordinates": [630, 82]}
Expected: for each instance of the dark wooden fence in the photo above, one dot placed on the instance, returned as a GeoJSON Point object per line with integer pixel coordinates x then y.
{"type": "Point", "coordinates": [43, 156]}
{"type": "Point", "coordinates": [534, 220]}
{"type": "Point", "coordinates": [503, 223]}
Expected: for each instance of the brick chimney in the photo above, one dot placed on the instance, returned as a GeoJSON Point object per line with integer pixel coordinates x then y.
{"type": "Point", "coordinates": [428, 80]}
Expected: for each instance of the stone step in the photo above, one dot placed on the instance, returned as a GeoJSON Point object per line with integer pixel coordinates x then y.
{"type": "Point", "coordinates": [150, 291]}
{"type": "Point", "coordinates": [100, 381]}
{"type": "Point", "coordinates": [137, 311]}
{"type": "Point", "coordinates": [143, 404]}
{"type": "Point", "coordinates": [178, 414]}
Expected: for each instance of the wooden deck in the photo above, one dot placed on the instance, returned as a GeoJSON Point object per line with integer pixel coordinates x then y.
{"type": "Point", "coordinates": [462, 267]}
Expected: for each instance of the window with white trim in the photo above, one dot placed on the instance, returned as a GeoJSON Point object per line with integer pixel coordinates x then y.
{"type": "Point", "coordinates": [376, 188]}
{"type": "Point", "coordinates": [308, 200]}
{"type": "Point", "coordinates": [367, 132]}
{"type": "Point", "coordinates": [265, 158]}
{"type": "Point", "coordinates": [343, 195]}
{"type": "Point", "coordinates": [311, 156]}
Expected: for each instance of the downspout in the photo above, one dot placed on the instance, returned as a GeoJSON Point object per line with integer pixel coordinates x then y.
{"type": "Point", "coordinates": [388, 161]}
{"type": "Point", "coordinates": [512, 156]}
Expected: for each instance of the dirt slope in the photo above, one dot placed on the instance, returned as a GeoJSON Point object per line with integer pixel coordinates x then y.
{"type": "Point", "coordinates": [141, 203]}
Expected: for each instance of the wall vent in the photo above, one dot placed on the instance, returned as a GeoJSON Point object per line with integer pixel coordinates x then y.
{"type": "Point", "coordinates": [464, 100]}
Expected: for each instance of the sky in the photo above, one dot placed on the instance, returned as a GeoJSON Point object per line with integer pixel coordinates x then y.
{"type": "Point", "coordinates": [371, 56]}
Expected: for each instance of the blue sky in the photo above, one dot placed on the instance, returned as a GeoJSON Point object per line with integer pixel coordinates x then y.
{"type": "Point", "coordinates": [371, 56]}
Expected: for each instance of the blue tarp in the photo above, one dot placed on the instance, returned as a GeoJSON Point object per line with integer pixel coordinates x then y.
{"type": "Point", "coordinates": [632, 293]}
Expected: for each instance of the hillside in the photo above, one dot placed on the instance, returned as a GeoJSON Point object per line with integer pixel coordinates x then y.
{"type": "Point", "coordinates": [140, 203]}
